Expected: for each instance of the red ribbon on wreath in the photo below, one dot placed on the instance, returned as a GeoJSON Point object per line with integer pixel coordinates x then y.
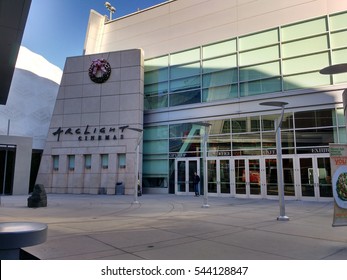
{"type": "Point", "coordinates": [102, 66]}
{"type": "Point", "coordinates": [99, 65]}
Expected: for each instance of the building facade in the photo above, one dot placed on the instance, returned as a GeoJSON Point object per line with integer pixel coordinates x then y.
{"type": "Point", "coordinates": [96, 126]}
{"type": "Point", "coordinates": [214, 62]}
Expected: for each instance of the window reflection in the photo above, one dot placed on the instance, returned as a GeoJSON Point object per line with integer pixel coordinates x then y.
{"type": "Point", "coordinates": [314, 137]}
{"type": "Point", "coordinates": [184, 98]}
{"type": "Point", "coordinates": [319, 118]}
{"type": "Point", "coordinates": [247, 124]}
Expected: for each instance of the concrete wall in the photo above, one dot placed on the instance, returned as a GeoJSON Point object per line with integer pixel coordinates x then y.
{"type": "Point", "coordinates": [183, 24]}
{"type": "Point", "coordinates": [90, 116]}
{"type": "Point", "coordinates": [21, 178]}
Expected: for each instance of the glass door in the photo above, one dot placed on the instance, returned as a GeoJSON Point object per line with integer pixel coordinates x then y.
{"type": "Point", "coordinates": [218, 176]}
{"type": "Point", "coordinates": [315, 177]}
{"type": "Point", "coordinates": [240, 176]}
{"type": "Point", "coordinates": [247, 177]}
{"type": "Point", "coordinates": [184, 174]}
{"type": "Point", "coordinates": [224, 176]}
{"type": "Point", "coordinates": [254, 177]}
{"type": "Point", "coordinates": [288, 176]}
{"type": "Point", "coordinates": [324, 177]}
{"type": "Point", "coordinates": [307, 177]}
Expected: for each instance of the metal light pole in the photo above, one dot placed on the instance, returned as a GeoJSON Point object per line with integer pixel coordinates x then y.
{"type": "Point", "coordinates": [110, 8]}
{"type": "Point", "coordinates": [205, 138]}
{"type": "Point", "coordinates": [278, 125]}
{"type": "Point", "coordinates": [137, 159]}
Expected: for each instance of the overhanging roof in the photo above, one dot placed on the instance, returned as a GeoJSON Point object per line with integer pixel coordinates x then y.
{"type": "Point", "coordinates": [13, 17]}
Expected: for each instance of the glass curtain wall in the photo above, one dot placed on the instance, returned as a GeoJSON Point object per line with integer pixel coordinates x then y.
{"type": "Point", "coordinates": [277, 60]}
{"type": "Point", "coordinates": [155, 157]}
{"type": "Point", "coordinates": [307, 132]}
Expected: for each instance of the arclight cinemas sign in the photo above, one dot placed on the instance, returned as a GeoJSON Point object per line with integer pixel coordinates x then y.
{"type": "Point", "coordinates": [88, 133]}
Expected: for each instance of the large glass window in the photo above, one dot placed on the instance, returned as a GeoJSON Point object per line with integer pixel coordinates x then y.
{"type": "Point", "coordinates": [314, 137]}
{"type": "Point", "coordinates": [280, 59]}
{"type": "Point", "coordinates": [319, 118]}
{"type": "Point", "coordinates": [219, 127]}
{"type": "Point", "coordinates": [246, 124]}
{"type": "Point", "coordinates": [260, 71]}
{"type": "Point", "coordinates": [155, 156]}
{"type": "Point", "coordinates": [217, 144]}
{"type": "Point", "coordinates": [246, 144]}
{"type": "Point", "coordinates": [305, 46]}
{"type": "Point", "coordinates": [260, 87]}
{"type": "Point", "coordinates": [220, 78]}
{"type": "Point", "coordinates": [156, 147]}
{"type": "Point", "coordinates": [259, 55]}
{"type": "Point", "coordinates": [339, 56]}
{"type": "Point", "coordinates": [185, 98]}
{"type": "Point", "coordinates": [156, 89]}
{"type": "Point", "coordinates": [185, 56]}
{"type": "Point", "coordinates": [155, 102]}
{"type": "Point", "coordinates": [184, 129]}
{"type": "Point", "coordinates": [338, 39]}
{"type": "Point", "coordinates": [156, 132]}
{"type": "Point", "coordinates": [219, 93]}
{"type": "Point", "coordinates": [305, 80]}
{"type": "Point", "coordinates": [185, 70]}
{"type": "Point", "coordinates": [306, 63]}
{"type": "Point", "coordinates": [156, 83]}
{"type": "Point", "coordinates": [156, 76]}
{"type": "Point", "coordinates": [185, 84]}
{"type": "Point", "coordinates": [219, 49]}
{"type": "Point", "coordinates": [304, 29]}
{"type": "Point", "coordinates": [338, 21]}
{"type": "Point", "coordinates": [258, 40]}
{"type": "Point", "coordinates": [156, 63]}
{"type": "Point", "coordinates": [268, 121]}
{"type": "Point", "coordinates": [158, 167]}
{"type": "Point", "coordinates": [220, 63]}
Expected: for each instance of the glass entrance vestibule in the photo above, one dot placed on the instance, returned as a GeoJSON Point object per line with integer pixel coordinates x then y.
{"type": "Point", "coordinates": [241, 154]}
{"type": "Point", "coordinates": [306, 177]}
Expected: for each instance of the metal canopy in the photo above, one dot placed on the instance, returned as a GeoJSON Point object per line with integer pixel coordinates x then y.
{"type": "Point", "coordinates": [274, 103]}
{"type": "Point", "coordinates": [13, 16]}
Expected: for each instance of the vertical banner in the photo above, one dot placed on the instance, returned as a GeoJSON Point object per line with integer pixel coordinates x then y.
{"type": "Point", "coordinates": [338, 161]}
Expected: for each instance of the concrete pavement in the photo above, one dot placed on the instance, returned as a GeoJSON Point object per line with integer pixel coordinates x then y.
{"type": "Point", "coordinates": [109, 227]}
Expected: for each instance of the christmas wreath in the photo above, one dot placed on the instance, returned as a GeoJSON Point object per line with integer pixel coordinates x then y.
{"type": "Point", "coordinates": [99, 70]}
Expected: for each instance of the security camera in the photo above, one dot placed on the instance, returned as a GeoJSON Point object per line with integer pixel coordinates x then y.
{"type": "Point", "coordinates": [108, 5]}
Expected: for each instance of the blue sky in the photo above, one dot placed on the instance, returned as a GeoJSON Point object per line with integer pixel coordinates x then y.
{"type": "Point", "coordinates": [56, 29]}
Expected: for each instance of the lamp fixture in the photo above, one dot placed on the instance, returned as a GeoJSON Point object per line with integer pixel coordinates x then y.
{"type": "Point", "coordinates": [111, 9]}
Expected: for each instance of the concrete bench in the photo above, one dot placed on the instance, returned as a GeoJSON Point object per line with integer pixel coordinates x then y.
{"type": "Point", "coordinates": [14, 236]}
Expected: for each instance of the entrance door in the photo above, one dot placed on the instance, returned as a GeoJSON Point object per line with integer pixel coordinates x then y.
{"type": "Point", "coordinates": [247, 177]}
{"type": "Point", "coordinates": [288, 177]}
{"type": "Point", "coordinates": [7, 166]}
{"type": "Point", "coordinates": [315, 177]}
{"type": "Point", "coordinates": [184, 174]}
{"type": "Point", "coordinates": [218, 176]}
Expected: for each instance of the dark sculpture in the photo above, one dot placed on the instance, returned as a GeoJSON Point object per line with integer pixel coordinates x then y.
{"type": "Point", "coordinates": [38, 197]}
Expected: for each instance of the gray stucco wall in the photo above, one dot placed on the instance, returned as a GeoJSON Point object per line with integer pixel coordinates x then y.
{"type": "Point", "coordinates": [21, 178]}
{"type": "Point", "coordinates": [90, 116]}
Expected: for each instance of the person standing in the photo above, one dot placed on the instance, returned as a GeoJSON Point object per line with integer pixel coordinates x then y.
{"type": "Point", "coordinates": [196, 181]}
